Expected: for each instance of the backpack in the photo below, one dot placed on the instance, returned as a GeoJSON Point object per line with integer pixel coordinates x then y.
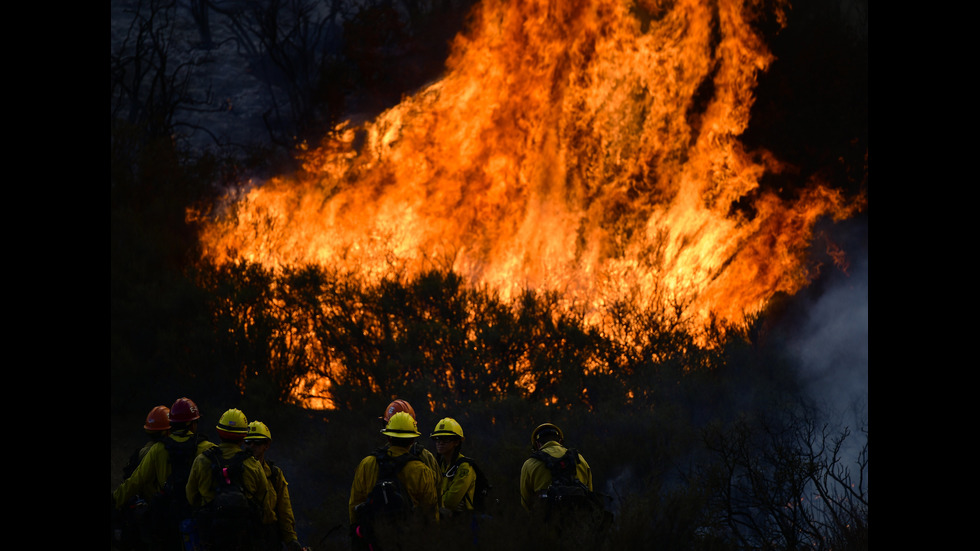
{"type": "Point", "coordinates": [230, 517]}
{"type": "Point", "coordinates": [172, 499]}
{"type": "Point", "coordinates": [168, 507]}
{"type": "Point", "coordinates": [387, 499]}
{"type": "Point", "coordinates": [134, 461]}
{"type": "Point", "coordinates": [483, 486]}
{"type": "Point", "coordinates": [181, 456]}
{"type": "Point", "coordinates": [277, 477]}
{"type": "Point", "coordinates": [567, 494]}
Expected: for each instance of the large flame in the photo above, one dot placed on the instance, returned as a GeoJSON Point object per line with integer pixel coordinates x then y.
{"type": "Point", "coordinates": [589, 147]}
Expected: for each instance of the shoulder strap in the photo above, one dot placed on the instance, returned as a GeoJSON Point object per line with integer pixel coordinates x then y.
{"type": "Point", "coordinates": [277, 477]}
{"type": "Point", "coordinates": [228, 471]}
{"type": "Point", "coordinates": [483, 486]}
{"type": "Point", "coordinates": [481, 479]}
{"type": "Point", "coordinates": [386, 465]}
{"type": "Point", "coordinates": [572, 455]}
{"type": "Point", "coordinates": [130, 468]}
{"type": "Point", "coordinates": [562, 468]}
{"type": "Point", "coordinates": [214, 454]}
{"type": "Point", "coordinates": [404, 459]}
{"type": "Point", "coordinates": [389, 466]}
{"type": "Point", "coordinates": [451, 471]}
{"type": "Point", "coordinates": [217, 462]}
{"type": "Point", "coordinates": [240, 458]}
{"type": "Point", "coordinates": [274, 470]}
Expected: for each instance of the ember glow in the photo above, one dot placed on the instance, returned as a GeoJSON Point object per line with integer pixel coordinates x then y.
{"type": "Point", "coordinates": [589, 147]}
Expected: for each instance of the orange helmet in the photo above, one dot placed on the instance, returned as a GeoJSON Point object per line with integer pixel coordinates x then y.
{"type": "Point", "coordinates": [158, 419]}
{"type": "Point", "coordinates": [183, 411]}
{"type": "Point", "coordinates": [395, 407]}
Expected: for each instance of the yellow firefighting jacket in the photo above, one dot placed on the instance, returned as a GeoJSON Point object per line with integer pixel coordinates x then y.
{"type": "Point", "coordinates": [150, 476]}
{"type": "Point", "coordinates": [430, 460]}
{"type": "Point", "coordinates": [418, 480]}
{"type": "Point", "coordinates": [535, 476]}
{"type": "Point", "coordinates": [200, 486]}
{"type": "Point", "coordinates": [284, 507]}
{"type": "Point", "coordinates": [458, 485]}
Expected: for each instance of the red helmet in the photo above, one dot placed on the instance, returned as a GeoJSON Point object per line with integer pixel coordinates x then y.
{"type": "Point", "coordinates": [184, 410]}
{"type": "Point", "coordinates": [158, 419]}
{"type": "Point", "coordinates": [395, 407]}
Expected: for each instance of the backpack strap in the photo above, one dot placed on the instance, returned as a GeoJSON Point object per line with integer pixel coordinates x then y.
{"type": "Point", "coordinates": [130, 468]}
{"type": "Point", "coordinates": [277, 477]}
{"type": "Point", "coordinates": [227, 471]}
{"type": "Point", "coordinates": [214, 456]}
{"type": "Point", "coordinates": [451, 471]}
{"type": "Point", "coordinates": [562, 468]}
{"type": "Point", "coordinates": [482, 485]}
{"type": "Point", "coordinates": [389, 466]}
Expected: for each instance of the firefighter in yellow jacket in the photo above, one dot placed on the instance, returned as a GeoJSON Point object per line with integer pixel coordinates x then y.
{"type": "Point", "coordinates": [201, 487]}
{"type": "Point", "coordinates": [156, 427]}
{"type": "Point", "coordinates": [258, 441]}
{"type": "Point", "coordinates": [535, 476]}
{"type": "Point", "coordinates": [417, 448]}
{"type": "Point", "coordinates": [417, 480]}
{"type": "Point", "coordinates": [458, 479]}
{"type": "Point", "coordinates": [167, 505]}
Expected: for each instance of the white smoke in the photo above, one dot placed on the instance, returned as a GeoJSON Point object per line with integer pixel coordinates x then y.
{"type": "Point", "coordinates": [831, 346]}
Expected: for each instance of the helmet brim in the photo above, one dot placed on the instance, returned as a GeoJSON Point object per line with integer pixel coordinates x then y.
{"type": "Point", "coordinates": [401, 433]}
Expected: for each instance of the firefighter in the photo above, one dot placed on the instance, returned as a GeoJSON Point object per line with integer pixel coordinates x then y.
{"type": "Point", "coordinates": [127, 521]}
{"type": "Point", "coordinates": [257, 442]}
{"type": "Point", "coordinates": [458, 478]}
{"type": "Point", "coordinates": [417, 448]}
{"type": "Point", "coordinates": [224, 464]}
{"type": "Point", "coordinates": [161, 475]}
{"type": "Point", "coordinates": [156, 427]}
{"type": "Point", "coordinates": [417, 481]}
{"type": "Point", "coordinates": [535, 476]}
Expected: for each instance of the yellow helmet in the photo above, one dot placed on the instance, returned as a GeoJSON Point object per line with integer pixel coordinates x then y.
{"type": "Point", "coordinates": [401, 425]}
{"type": "Point", "coordinates": [258, 431]}
{"type": "Point", "coordinates": [545, 428]}
{"type": "Point", "coordinates": [233, 425]}
{"type": "Point", "coordinates": [447, 427]}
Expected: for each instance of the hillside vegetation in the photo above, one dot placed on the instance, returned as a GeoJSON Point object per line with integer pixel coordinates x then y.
{"type": "Point", "coordinates": [706, 447]}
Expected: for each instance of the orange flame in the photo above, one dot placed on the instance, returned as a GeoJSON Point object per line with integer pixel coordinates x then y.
{"type": "Point", "coordinates": [589, 147]}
